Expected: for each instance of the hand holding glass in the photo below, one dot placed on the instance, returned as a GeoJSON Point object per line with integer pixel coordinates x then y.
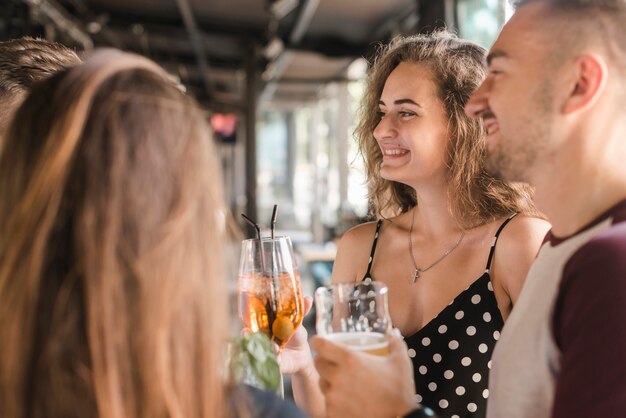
{"type": "Point", "coordinates": [354, 315]}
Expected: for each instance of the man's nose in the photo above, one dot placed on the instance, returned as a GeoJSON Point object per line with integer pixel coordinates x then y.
{"type": "Point", "coordinates": [477, 102]}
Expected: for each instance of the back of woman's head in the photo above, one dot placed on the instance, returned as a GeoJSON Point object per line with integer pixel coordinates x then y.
{"type": "Point", "coordinates": [457, 67]}
{"type": "Point", "coordinates": [111, 294]}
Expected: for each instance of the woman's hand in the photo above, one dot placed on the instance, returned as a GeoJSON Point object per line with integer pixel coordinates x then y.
{"type": "Point", "coordinates": [296, 355]}
{"type": "Point", "coordinates": [296, 360]}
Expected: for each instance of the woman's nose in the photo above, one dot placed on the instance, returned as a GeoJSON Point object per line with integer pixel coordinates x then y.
{"type": "Point", "coordinates": [385, 128]}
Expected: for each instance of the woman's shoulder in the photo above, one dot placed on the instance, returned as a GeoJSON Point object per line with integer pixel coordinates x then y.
{"type": "Point", "coordinates": [362, 235]}
{"type": "Point", "coordinates": [516, 249]}
{"type": "Point", "coordinates": [522, 233]}
{"type": "Point", "coordinates": [353, 252]}
{"type": "Point", "coordinates": [361, 231]}
{"type": "Point", "coordinates": [263, 404]}
{"type": "Point", "coordinates": [358, 238]}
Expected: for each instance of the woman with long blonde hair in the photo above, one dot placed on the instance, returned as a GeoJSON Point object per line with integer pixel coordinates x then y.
{"type": "Point", "coordinates": [112, 293]}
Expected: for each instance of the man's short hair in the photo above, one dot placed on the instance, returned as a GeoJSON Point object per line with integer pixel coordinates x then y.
{"type": "Point", "coordinates": [24, 62]}
{"type": "Point", "coordinates": [587, 22]}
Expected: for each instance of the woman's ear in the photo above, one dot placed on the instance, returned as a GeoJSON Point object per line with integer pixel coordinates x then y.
{"type": "Point", "coordinates": [590, 78]}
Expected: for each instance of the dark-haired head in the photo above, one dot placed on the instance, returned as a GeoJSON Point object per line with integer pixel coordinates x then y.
{"type": "Point", "coordinates": [23, 63]}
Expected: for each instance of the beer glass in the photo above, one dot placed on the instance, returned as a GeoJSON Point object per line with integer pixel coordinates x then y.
{"type": "Point", "coordinates": [355, 315]}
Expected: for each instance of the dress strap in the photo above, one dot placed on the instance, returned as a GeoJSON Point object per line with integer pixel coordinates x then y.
{"type": "Point", "coordinates": [373, 251]}
{"type": "Point", "coordinates": [495, 240]}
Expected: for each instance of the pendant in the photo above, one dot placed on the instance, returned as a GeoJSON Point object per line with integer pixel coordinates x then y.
{"type": "Point", "coordinates": [416, 275]}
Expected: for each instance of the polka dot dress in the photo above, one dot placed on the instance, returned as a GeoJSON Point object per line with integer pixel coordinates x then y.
{"type": "Point", "coordinates": [452, 354]}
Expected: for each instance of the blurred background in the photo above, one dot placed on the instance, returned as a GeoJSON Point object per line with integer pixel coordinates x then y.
{"type": "Point", "coordinates": [280, 81]}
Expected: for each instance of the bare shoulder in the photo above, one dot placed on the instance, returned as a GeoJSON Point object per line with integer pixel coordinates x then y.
{"type": "Point", "coordinates": [357, 234]}
{"type": "Point", "coordinates": [353, 253]}
{"type": "Point", "coordinates": [522, 234]}
{"type": "Point", "coordinates": [517, 248]}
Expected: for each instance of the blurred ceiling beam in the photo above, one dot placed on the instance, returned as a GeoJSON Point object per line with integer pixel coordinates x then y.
{"type": "Point", "coordinates": [96, 24]}
{"type": "Point", "coordinates": [281, 8]}
{"type": "Point", "coordinates": [307, 11]}
{"type": "Point", "coordinates": [54, 13]}
{"type": "Point", "coordinates": [276, 68]}
{"type": "Point", "coordinates": [406, 21]}
{"type": "Point", "coordinates": [228, 54]}
{"type": "Point", "coordinates": [196, 42]}
{"type": "Point", "coordinates": [273, 71]}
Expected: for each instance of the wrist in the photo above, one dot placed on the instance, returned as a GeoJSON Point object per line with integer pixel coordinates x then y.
{"type": "Point", "coordinates": [406, 404]}
{"type": "Point", "coordinates": [420, 412]}
{"type": "Point", "coordinates": [308, 371]}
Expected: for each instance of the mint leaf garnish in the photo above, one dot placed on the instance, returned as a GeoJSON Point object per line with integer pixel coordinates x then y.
{"type": "Point", "coordinates": [253, 361]}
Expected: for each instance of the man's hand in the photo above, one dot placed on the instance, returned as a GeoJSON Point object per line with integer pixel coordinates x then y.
{"type": "Point", "coordinates": [357, 384]}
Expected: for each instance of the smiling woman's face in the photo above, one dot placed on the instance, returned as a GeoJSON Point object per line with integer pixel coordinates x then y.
{"type": "Point", "coordinates": [413, 129]}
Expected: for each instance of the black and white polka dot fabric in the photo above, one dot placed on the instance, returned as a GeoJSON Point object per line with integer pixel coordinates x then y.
{"type": "Point", "coordinates": [452, 354]}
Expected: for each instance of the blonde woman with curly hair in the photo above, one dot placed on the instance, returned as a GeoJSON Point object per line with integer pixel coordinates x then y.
{"type": "Point", "coordinates": [452, 243]}
{"type": "Point", "coordinates": [112, 291]}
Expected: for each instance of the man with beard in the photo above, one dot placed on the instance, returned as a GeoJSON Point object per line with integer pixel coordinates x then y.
{"type": "Point", "coordinates": [553, 108]}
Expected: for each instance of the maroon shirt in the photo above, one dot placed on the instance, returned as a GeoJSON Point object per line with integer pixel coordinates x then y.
{"type": "Point", "coordinates": [589, 325]}
{"type": "Point", "coordinates": [562, 351]}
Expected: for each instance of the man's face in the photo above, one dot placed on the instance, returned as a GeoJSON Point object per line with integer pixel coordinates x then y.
{"type": "Point", "coordinates": [516, 99]}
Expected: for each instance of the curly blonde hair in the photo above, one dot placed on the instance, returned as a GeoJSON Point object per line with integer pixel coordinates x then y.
{"type": "Point", "coordinates": [457, 66]}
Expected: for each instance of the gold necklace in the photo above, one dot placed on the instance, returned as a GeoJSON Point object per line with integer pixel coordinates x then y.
{"type": "Point", "coordinates": [419, 271]}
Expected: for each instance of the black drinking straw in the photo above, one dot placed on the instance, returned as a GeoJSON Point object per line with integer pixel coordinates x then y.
{"type": "Point", "coordinates": [273, 222]}
{"type": "Point", "coordinates": [273, 288]}
{"type": "Point", "coordinates": [254, 224]}
{"type": "Point", "coordinates": [258, 234]}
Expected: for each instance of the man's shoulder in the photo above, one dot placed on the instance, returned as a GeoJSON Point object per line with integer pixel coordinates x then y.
{"type": "Point", "coordinates": [604, 254]}
{"type": "Point", "coordinates": [618, 212]}
{"type": "Point", "coordinates": [609, 242]}
{"type": "Point", "coordinates": [606, 243]}
{"type": "Point", "coordinates": [588, 326]}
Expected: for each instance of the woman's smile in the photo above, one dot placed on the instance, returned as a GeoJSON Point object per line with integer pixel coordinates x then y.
{"type": "Point", "coordinates": [394, 152]}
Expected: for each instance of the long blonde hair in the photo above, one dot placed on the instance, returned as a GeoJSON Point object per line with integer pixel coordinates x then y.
{"type": "Point", "coordinates": [112, 301]}
{"type": "Point", "coordinates": [457, 68]}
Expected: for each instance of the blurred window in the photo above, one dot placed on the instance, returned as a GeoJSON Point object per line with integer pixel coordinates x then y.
{"type": "Point", "coordinates": [481, 20]}
{"type": "Point", "coordinates": [308, 163]}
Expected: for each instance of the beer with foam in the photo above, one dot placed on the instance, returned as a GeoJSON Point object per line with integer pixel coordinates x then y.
{"type": "Point", "coordinates": [368, 342]}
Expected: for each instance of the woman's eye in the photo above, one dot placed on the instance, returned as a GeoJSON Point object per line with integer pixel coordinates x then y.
{"type": "Point", "coordinates": [380, 114]}
{"type": "Point", "coordinates": [406, 114]}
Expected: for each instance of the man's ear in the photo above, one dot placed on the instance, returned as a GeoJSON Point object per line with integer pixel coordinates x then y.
{"type": "Point", "coordinates": [590, 78]}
